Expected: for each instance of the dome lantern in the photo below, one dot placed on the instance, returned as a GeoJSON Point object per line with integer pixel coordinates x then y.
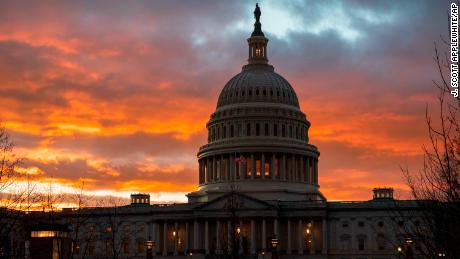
{"type": "Point", "coordinates": [257, 42]}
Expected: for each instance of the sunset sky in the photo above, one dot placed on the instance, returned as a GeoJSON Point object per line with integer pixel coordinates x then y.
{"type": "Point", "coordinates": [117, 94]}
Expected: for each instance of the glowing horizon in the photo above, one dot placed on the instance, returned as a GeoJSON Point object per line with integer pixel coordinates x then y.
{"type": "Point", "coordinates": [119, 95]}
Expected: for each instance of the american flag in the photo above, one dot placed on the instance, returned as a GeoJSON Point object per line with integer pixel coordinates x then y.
{"type": "Point", "coordinates": [240, 159]}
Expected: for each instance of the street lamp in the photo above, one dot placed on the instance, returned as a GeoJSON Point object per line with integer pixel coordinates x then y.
{"type": "Point", "coordinates": [149, 244]}
{"type": "Point", "coordinates": [274, 242]}
{"type": "Point", "coordinates": [400, 251]}
{"type": "Point", "coordinates": [442, 254]}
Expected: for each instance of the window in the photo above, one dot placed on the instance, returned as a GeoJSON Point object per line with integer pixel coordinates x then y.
{"type": "Point", "coordinates": [248, 129]}
{"type": "Point", "coordinates": [400, 224]}
{"type": "Point", "coordinates": [290, 131]}
{"type": "Point", "coordinates": [239, 132]}
{"type": "Point", "coordinates": [283, 130]}
{"type": "Point", "coordinates": [218, 132]}
{"type": "Point", "coordinates": [381, 241]}
{"type": "Point", "coordinates": [267, 168]}
{"type": "Point", "coordinates": [275, 130]}
{"type": "Point", "coordinates": [224, 132]}
{"type": "Point", "coordinates": [258, 52]}
{"type": "Point", "coordinates": [344, 224]}
{"type": "Point", "coordinates": [248, 166]}
{"type": "Point", "coordinates": [258, 169]}
{"type": "Point", "coordinates": [266, 129]}
{"type": "Point", "coordinates": [360, 243]}
{"type": "Point", "coordinates": [126, 247]}
{"type": "Point", "coordinates": [257, 129]}
{"type": "Point", "coordinates": [231, 131]}
{"type": "Point", "coordinates": [380, 224]}
{"type": "Point", "coordinates": [361, 224]}
{"type": "Point", "coordinates": [140, 246]}
{"type": "Point", "coordinates": [345, 242]}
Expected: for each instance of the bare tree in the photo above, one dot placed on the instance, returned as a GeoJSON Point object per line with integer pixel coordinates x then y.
{"type": "Point", "coordinates": [12, 198]}
{"type": "Point", "coordinates": [436, 187]}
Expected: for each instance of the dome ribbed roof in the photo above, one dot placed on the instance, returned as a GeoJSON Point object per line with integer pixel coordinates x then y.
{"type": "Point", "coordinates": [257, 84]}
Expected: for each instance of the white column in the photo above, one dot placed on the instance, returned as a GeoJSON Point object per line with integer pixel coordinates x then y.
{"type": "Point", "coordinates": [324, 250]}
{"type": "Point", "coordinates": [187, 233]}
{"type": "Point", "coordinates": [217, 237]}
{"type": "Point", "coordinates": [229, 237]}
{"type": "Point", "coordinates": [289, 237]}
{"type": "Point", "coordinates": [301, 174]}
{"type": "Point", "coordinates": [262, 166]}
{"type": "Point", "coordinates": [154, 236]}
{"type": "Point", "coordinates": [283, 167]}
{"type": "Point", "coordinates": [206, 236]}
{"type": "Point", "coordinates": [264, 235]}
{"type": "Point", "coordinates": [253, 165]}
{"type": "Point", "coordinates": [312, 238]}
{"type": "Point", "coordinates": [176, 229]}
{"type": "Point", "coordinates": [276, 230]}
{"type": "Point", "coordinates": [232, 167]}
{"type": "Point", "coordinates": [316, 171]}
{"type": "Point", "coordinates": [300, 234]}
{"type": "Point", "coordinates": [195, 235]}
{"type": "Point", "coordinates": [214, 169]}
{"type": "Point", "coordinates": [253, 237]}
{"type": "Point", "coordinates": [165, 238]}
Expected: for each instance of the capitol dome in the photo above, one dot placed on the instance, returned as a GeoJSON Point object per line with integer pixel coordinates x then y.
{"type": "Point", "coordinates": [258, 137]}
{"type": "Point", "coordinates": [257, 83]}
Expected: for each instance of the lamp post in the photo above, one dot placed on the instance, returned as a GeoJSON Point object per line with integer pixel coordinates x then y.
{"type": "Point", "coordinates": [149, 244]}
{"type": "Point", "coordinates": [274, 242]}
{"type": "Point", "coordinates": [400, 252]}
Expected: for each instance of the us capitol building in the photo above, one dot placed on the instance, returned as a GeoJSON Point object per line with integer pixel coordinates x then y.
{"type": "Point", "coordinates": [258, 192]}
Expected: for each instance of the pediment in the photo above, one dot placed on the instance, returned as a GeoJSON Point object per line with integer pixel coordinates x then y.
{"type": "Point", "coordinates": [236, 201]}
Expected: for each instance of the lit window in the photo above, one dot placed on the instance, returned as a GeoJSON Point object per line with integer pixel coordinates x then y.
{"type": "Point", "coordinates": [258, 52]}
{"type": "Point", "coordinates": [267, 169]}
{"type": "Point", "coordinates": [257, 167]}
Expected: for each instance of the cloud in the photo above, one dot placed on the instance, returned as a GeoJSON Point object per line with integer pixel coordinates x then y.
{"type": "Point", "coordinates": [120, 94]}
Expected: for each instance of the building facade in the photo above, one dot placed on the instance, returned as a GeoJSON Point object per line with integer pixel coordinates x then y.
{"type": "Point", "coordinates": [258, 193]}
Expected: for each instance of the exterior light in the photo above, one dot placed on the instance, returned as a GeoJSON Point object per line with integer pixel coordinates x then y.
{"type": "Point", "coordinates": [174, 233]}
{"type": "Point", "coordinates": [149, 244]}
{"type": "Point", "coordinates": [408, 241]}
{"type": "Point", "coordinates": [399, 249]}
{"type": "Point", "coordinates": [238, 230]}
{"type": "Point", "coordinates": [274, 241]}
{"type": "Point", "coordinates": [308, 231]}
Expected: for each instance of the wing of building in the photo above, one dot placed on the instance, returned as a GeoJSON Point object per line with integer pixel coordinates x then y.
{"type": "Point", "coordinates": [258, 193]}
